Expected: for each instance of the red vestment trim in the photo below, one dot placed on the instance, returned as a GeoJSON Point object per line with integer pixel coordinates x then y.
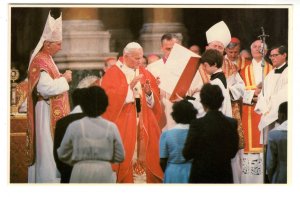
{"type": "Point", "coordinates": [250, 119]}
{"type": "Point", "coordinates": [59, 104]}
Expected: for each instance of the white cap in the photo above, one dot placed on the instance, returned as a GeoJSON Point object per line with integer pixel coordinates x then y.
{"type": "Point", "coordinates": [130, 46]}
{"type": "Point", "coordinates": [52, 32]}
{"type": "Point", "coordinates": [219, 32]}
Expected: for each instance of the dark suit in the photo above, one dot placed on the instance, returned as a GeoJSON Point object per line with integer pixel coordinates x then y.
{"type": "Point", "coordinates": [211, 142]}
{"type": "Point", "coordinates": [60, 130]}
{"type": "Point", "coordinates": [276, 163]}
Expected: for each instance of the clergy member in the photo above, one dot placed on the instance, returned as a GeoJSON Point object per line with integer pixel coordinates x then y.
{"type": "Point", "coordinates": [134, 106]}
{"type": "Point", "coordinates": [219, 37]}
{"type": "Point", "coordinates": [48, 101]}
{"type": "Point", "coordinates": [252, 76]}
{"type": "Point", "coordinates": [274, 92]}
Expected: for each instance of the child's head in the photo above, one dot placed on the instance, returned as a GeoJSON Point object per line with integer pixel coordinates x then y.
{"type": "Point", "coordinates": [212, 57]}
{"type": "Point", "coordinates": [212, 60]}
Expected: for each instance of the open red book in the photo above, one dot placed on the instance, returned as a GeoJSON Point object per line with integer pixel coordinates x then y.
{"type": "Point", "coordinates": [179, 71]}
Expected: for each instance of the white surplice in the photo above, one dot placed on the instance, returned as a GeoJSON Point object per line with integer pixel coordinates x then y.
{"type": "Point", "coordinates": [226, 105]}
{"type": "Point", "coordinates": [275, 92]}
{"type": "Point", "coordinates": [44, 169]}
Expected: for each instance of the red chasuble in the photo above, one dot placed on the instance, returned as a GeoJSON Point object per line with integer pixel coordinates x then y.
{"type": "Point", "coordinates": [59, 104]}
{"type": "Point", "coordinates": [146, 132]}
{"type": "Point", "coordinates": [250, 118]}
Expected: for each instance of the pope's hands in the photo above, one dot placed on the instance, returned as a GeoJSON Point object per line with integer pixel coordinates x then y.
{"type": "Point", "coordinates": [147, 88]}
{"type": "Point", "coordinates": [135, 80]}
{"type": "Point", "coordinates": [68, 75]}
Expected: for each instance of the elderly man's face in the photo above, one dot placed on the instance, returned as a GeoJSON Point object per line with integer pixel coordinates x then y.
{"type": "Point", "coordinates": [53, 47]}
{"type": "Point", "coordinates": [134, 58]}
{"type": "Point", "coordinates": [216, 45]}
{"type": "Point", "coordinates": [255, 49]}
{"type": "Point", "coordinates": [233, 53]}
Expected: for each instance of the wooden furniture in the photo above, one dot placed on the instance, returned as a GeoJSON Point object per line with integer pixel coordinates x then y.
{"type": "Point", "coordinates": [18, 167]}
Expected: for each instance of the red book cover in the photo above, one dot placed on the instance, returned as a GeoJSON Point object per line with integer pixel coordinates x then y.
{"type": "Point", "coordinates": [186, 78]}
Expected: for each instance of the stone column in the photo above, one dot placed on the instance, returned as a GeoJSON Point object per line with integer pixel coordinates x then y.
{"type": "Point", "coordinates": [85, 43]}
{"type": "Point", "coordinates": [117, 21]}
{"type": "Point", "coordinates": [158, 21]}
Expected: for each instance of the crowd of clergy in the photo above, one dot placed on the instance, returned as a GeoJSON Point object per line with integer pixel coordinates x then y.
{"type": "Point", "coordinates": [217, 115]}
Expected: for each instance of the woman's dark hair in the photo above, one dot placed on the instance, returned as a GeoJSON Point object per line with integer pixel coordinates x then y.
{"type": "Point", "coordinates": [95, 101]}
{"type": "Point", "coordinates": [283, 108]}
{"type": "Point", "coordinates": [212, 56]}
{"type": "Point", "coordinates": [183, 112]}
{"type": "Point", "coordinates": [78, 96]}
{"type": "Point", "coordinates": [211, 96]}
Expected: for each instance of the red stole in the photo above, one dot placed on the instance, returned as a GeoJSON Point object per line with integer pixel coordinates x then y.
{"type": "Point", "coordinates": [59, 104]}
{"type": "Point", "coordinates": [242, 62]}
{"type": "Point", "coordinates": [250, 119]}
{"type": "Point", "coordinates": [227, 67]}
{"type": "Point", "coordinates": [147, 132]}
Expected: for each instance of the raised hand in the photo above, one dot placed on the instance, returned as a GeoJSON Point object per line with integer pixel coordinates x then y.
{"type": "Point", "coordinates": [68, 75]}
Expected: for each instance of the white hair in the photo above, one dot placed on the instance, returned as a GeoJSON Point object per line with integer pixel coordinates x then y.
{"type": "Point", "coordinates": [265, 46]}
{"type": "Point", "coordinates": [131, 47]}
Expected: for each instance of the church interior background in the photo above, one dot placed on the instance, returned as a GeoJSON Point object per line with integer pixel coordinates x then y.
{"type": "Point", "coordinates": [91, 34]}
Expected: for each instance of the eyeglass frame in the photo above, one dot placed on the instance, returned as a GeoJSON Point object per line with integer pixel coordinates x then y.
{"type": "Point", "coordinates": [274, 55]}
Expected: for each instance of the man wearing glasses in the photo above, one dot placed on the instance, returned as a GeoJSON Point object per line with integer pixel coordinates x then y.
{"type": "Point", "coordinates": [275, 91]}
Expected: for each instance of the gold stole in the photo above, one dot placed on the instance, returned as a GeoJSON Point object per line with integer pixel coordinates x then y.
{"type": "Point", "coordinates": [251, 85]}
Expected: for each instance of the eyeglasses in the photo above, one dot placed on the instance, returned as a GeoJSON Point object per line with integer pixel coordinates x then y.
{"type": "Point", "coordinates": [274, 55]}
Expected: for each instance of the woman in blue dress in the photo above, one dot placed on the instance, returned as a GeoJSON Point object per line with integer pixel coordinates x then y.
{"type": "Point", "coordinates": [176, 168]}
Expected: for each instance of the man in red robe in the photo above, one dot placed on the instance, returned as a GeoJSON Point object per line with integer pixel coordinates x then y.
{"type": "Point", "coordinates": [135, 108]}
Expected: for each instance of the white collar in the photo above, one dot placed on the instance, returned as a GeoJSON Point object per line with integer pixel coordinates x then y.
{"type": "Point", "coordinates": [255, 63]}
{"type": "Point", "coordinates": [77, 109]}
{"type": "Point", "coordinates": [281, 65]}
{"type": "Point", "coordinates": [124, 67]}
{"type": "Point", "coordinates": [283, 126]}
{"type": "Point", "coordinates": [181, 126]}
{"type": "Point", "coordinates": [218, 71]}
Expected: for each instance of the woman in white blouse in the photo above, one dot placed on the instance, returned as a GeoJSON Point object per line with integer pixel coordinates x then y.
{"type": "Point", "coordinates": [92, 143]}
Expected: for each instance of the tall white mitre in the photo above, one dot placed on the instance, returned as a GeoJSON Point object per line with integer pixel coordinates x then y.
{"type": "Point", "coordinates": [219, 32]}
{"type": "Point", "coordinates": [52, 32]}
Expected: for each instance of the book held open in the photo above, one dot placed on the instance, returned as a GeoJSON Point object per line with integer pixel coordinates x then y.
{"type": "Point", "coordinates": [177, 74]}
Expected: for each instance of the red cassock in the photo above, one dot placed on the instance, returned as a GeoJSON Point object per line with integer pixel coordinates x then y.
{"type": "Point", "coordinates": [250, 118]}
{"type": "Point", "coordinates": [146, 131]}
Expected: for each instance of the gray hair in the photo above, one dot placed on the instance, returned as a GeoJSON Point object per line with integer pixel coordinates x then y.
{"type": "Point", "coordinates": [266, 46]}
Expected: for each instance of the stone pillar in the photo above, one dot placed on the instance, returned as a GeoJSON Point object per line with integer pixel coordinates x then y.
{"type": "Point", "coordinates": [85, 43]}
{"type": "Point", "coordinates": [117, 21]}
{"type": "Point", "coordinates": [158, 21]}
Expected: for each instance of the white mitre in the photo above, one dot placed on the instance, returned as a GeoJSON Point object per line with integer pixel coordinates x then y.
{"type": "Point", "coordinates": [52, 32]}
{"type": "Point", "coordinates": [219, 32]}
